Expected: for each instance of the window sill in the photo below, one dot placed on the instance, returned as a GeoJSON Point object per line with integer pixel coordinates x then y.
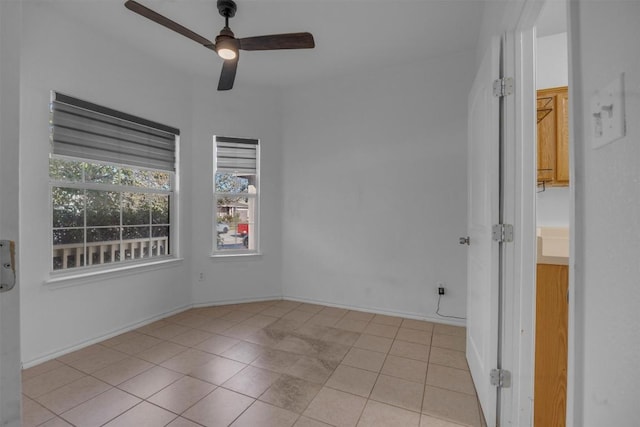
{"type": "Point", "coordinates": [65, 279]}
{"type": "Point", "coordinates": [236, 255]}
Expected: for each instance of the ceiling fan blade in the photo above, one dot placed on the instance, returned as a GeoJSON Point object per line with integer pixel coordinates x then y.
{"type": "Point", "coordinates": [228, 74]}
{"type": "Point", "coordinates": [172, 25]}
{"type": "Point", "coordinates": [278, 41]}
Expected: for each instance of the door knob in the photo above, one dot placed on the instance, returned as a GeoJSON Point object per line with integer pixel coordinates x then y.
{"type": "Point", "coordinates": [465, 240]}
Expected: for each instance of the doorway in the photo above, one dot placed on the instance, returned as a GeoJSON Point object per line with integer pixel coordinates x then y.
{"type": "Point", "coordinates": [521, 200]}
{"type": "Point", "coordinates": [552, 216]}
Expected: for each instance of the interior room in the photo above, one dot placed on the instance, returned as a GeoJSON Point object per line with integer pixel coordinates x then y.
{"type": "Point", "coordinates": [332, 288]}
{"type": "Point", "coordinates": [351, 159]}
{"type": "Point", "coordinates": [332, 230]}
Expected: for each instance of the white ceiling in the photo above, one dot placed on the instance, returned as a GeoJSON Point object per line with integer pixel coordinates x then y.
{"type": "Point", "coordinates": [552, 19]}
{"type": "Point", "coordinates": [349, 34]}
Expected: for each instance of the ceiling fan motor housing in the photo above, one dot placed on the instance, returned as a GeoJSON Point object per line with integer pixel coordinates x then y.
{"type": "Point", "coordinates": [227, 40]}
{"type": "Point", "coordinates": [227, 8]}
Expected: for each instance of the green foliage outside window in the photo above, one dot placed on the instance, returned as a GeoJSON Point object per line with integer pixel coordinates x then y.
{"type": "Point", "coordinates": [95, 202]}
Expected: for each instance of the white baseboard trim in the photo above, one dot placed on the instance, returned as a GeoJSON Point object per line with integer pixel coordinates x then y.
{"type": "Point", "coordinates": [83, 344]}
{"type": "Point", "coordinates": [136, 325]}
{"type": "Point", "coordinates": [66, 350]}
{"type": "Point", "coordinates": [237, 301]}
{"type": "Point", "coordinates": [375, 310]}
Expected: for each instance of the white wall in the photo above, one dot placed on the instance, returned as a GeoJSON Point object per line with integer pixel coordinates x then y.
{"type": "Point", "coordinates": [552, 62]}
{"type": "Point", "coordinates": [374, 183]}
{"type": "Point", "coordinates": [553, 207]}
{"type": "Point", "coordinates": [10, 384]}
{"type": "Point", "coordinates": [243, 112]}
{"type": "Point", "coordinates": [604, 39]}
{"type": "Point", "coordinates": [63, 54]}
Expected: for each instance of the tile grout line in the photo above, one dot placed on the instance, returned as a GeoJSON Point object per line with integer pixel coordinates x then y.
{"type": "Point", "coordinates": [378, 375]}
{"type": "Point", "coordinates": [424, 388]}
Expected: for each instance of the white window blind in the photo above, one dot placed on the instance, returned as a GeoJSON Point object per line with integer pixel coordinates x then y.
{"type": "Point", "coordinates": [236, 155]}
{"type": "Point", "coordinates": [89, 131]}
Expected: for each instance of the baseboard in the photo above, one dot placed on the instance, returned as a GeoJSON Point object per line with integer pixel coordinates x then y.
{"type": "Point", "coordinates": [237, 301]}
{"type": "Point", "coordinates": [375, 310]}
{"type": "Point", "coordinates": [130, 327]}
{"type": "Point", "coordinates": [83, 344]}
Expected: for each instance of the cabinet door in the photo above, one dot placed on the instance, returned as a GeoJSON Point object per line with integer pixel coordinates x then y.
{"type": "Point", "coordinates": [553, 136]}
{"type": "Point", "coordinates": [562, 139]}
{"type": "Point", "coordinates": [550, 389]}
{"type": "Point", "coordinates": [547, 137]}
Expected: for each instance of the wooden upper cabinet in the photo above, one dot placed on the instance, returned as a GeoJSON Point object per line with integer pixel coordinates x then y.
{"type": "Point", "coordinates": [553, 136]}
{"type": "Point", "coordinates": [562, 143]}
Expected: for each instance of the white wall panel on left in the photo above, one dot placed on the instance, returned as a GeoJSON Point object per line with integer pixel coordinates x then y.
{"type": "Point", "coordinates": [9, 207]}
{"type": "Point", "coordinates": [63, 54]}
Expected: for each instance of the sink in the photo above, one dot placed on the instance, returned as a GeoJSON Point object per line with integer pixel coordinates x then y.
{"type": "Point", "coordinates": [553, 245]}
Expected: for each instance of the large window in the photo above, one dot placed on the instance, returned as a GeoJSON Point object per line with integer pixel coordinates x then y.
{"type": "Point", "coordinates": [236, 196]}
{"type": "Point", "coordinates": [112, 179]}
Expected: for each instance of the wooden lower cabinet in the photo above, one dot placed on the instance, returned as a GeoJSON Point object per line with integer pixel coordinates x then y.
{"type": "Point", "coordinates": [550, 388]}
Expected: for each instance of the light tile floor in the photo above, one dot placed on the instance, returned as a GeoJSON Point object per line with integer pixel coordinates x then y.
{"type": "Point", "coordinates": [264, 364]}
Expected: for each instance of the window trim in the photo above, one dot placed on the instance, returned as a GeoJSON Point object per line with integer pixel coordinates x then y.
{"type": "Point", "coordinates": [65, 278]}
{"type": "Point", "coordinates": [230, 253]}
{"type": "Point", "coordinates": [102, 269]}
{"type": "Point", "coordinates": [158, 129]}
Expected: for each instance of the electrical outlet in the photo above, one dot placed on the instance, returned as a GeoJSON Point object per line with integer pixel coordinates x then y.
{"type": "Point", "coordinates": [201, 277]}
{"type": "Point", "coordinates": [440, 290]}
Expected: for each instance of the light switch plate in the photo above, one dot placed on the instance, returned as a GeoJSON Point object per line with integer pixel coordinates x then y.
{"type": "Point", "coordinates": [607, 113]}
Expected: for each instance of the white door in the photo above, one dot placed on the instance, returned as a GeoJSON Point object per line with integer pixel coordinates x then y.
{"type": "Point", "coordinates": [9, 130]}
{"type": "Point", "coordinates": [483, 212]}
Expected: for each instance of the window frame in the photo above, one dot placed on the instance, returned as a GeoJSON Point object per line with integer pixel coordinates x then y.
{"type": "Point", "coordinates": [126, 264]}
{"type": "Point", "coordinates": [82, 131]}
{"type": "Point", "coordinates": [242, 252]}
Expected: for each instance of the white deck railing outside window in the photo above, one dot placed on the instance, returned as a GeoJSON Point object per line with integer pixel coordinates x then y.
{"type": "Point", "coordinates": [72, 255]}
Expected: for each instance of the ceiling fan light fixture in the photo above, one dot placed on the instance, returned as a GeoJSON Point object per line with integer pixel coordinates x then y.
{"type": "Point", "coordinates": [226, 45]}
{"type": "Point", "coordinates": [226, 49]}
{"type": "Point", "coordinates": [226, 53]}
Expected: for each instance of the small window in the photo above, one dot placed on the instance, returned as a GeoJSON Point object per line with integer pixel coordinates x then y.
{"type": "Point", "coordinates": [112, 186]}
{"type": "Point", "coordinates": [236, 196]}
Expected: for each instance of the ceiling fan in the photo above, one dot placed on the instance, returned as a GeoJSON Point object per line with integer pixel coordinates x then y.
{"type": "Point", "coordinates": [227, 46]}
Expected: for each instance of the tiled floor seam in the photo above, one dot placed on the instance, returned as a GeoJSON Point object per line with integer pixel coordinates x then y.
{"type": "Point", "coordinates": [449, 390]}
{"type": "Point", "coordinates": [447, 366]}
{"type": "Point", "coordinates": [165, 387]}
{"type": "Point", "coordinates": [377, 378]}
{"type": "Point", "coordinates": [395, 406]}
{"type": "Point", "coordinates": [426, 373]}
{"type": "Point", "coordinates": [106, 422]}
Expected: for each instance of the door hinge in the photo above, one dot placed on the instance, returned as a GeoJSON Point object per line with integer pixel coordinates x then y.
{"type": "Point", "coordinates": [503, 86]}
{"type": "Point", "coordinates": [503, 233]}
{"type": "Point", "coordinates": [500, 378]}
